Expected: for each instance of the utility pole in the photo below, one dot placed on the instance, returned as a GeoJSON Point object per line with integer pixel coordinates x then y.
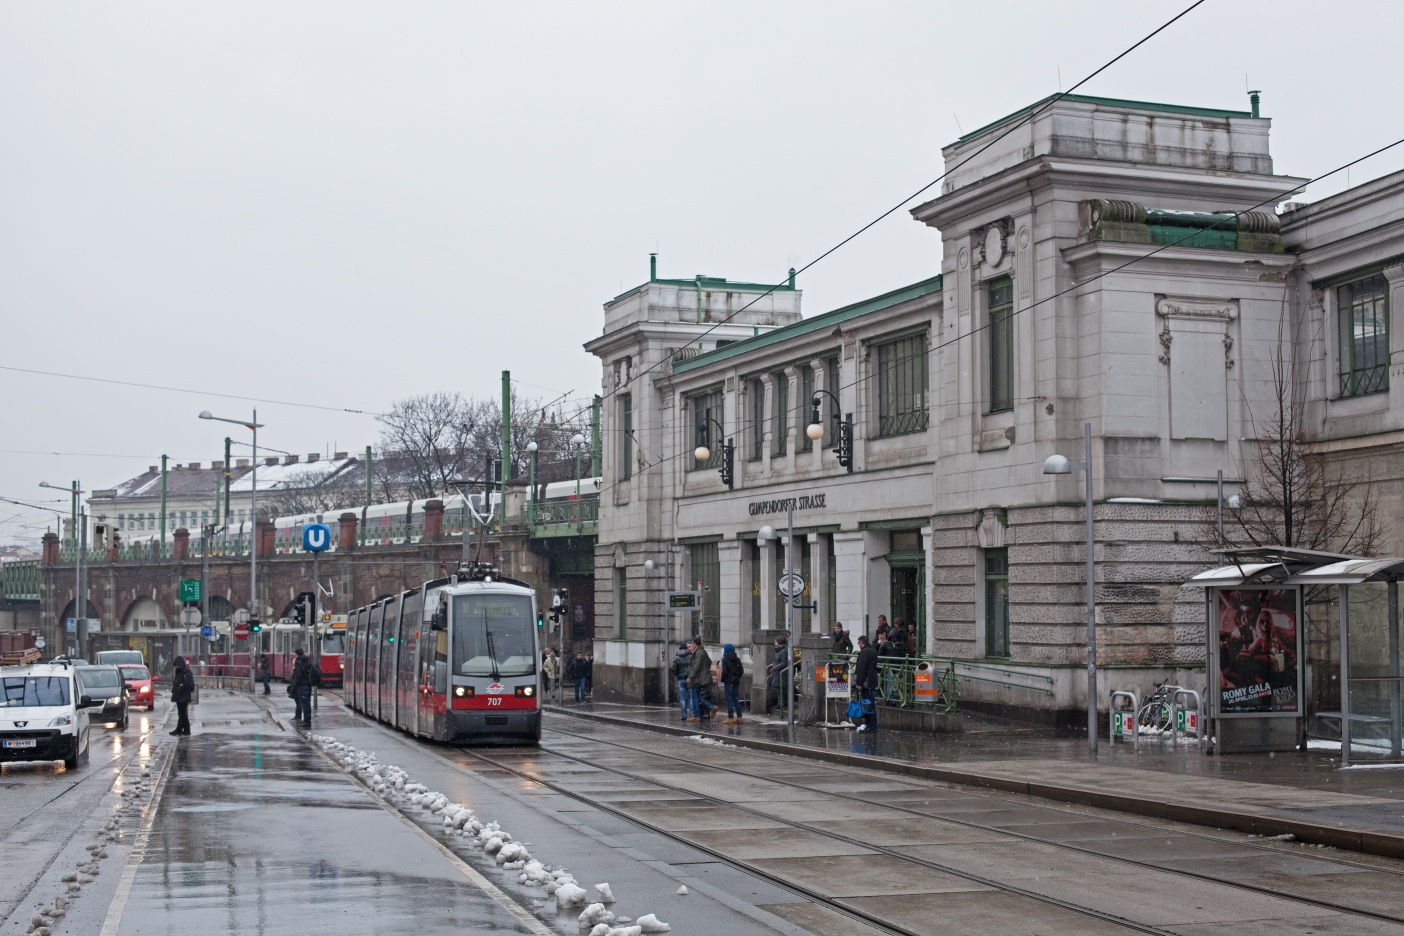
{"type": "Point", "coordinates": [507, 466]}
{"type": "Point", "coordinates": [595, 437]}
{"type": "Point", "coordinates": [162, 553]}
{"type": "Point", "coordinates": [368, 475]}
{"type": "Point", "coordinates": [228, 472]}
{"type": "Point", "coordinates": [790, 623]}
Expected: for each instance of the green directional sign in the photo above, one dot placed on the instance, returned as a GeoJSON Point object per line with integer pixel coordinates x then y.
{"type": "Point", "coordinates": [190, 590]}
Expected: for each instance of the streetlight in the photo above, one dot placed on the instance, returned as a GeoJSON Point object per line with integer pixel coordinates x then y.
{"type": "Point", "coordinates": [815, 430]}
{"type": "Point", "coordinates": [577, 442]}
{"type": "Point", "coordinates": [532, 447]}
{"type": "Point", "coordinates": [80, 599]}
{"type": "Point", "coordinates": [1057, 464]}
{"type": "Point", "coordinates": [253, 426]}
{"type": "Point", "coordinates": [703, 452]}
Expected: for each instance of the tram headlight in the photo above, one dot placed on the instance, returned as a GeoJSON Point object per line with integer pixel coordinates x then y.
{"type": "Point", "coordinates": [526, 692]}
{"type": "Point", "coordinates": [463, 692]}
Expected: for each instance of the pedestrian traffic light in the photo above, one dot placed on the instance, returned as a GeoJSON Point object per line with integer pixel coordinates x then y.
{"type": "Point", "coordinates": [540, 618]}
{"type": "Point", "coordinates": [255, 625]}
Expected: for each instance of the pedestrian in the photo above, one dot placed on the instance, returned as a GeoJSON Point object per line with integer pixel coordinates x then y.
{"type": "Point", "coordinates": [780, 671]}
{"type": "Point", "coordinates": [682, 665]}
{"type": "Point", "coordinates": [576, 672]}
{"type": "Point", "coordinates": [182, 688]}
{"type": "Point", "coordinates": [731, 673]}
{"type": "Point", "coordinates": [699, 683]}
{"type": "Point", "coordinates": [898, 637]}
{"type": "Point", "coordinates": [865, 677]}
{"type": "Point", "coordinates": [842, 642]}
{"type": "Point", "coordinates": [301, 683]}
{"type": "Point", "coordinates": [589, 674]}
{"type": "Point", "coordinates": [549, 667]}
{"type": "Point", "coordinates": [264, 665]}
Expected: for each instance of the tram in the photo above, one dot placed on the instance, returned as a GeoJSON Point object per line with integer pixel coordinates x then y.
{"type": "Point", "coordinates": [327, 649]}
{"type": "Point", "coordinates": [456, 660]}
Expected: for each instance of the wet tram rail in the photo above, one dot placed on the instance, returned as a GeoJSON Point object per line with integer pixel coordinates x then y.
{"type": "Point", "coordinates": [922, 851]}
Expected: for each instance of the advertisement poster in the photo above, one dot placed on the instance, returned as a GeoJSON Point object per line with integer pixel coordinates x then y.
{"type": "Point", "coordinates": [579, 623]}
{"type": "Point", "coordinates": [837, 685]}
{"type": "Point", "coordinates": [1258, 651]}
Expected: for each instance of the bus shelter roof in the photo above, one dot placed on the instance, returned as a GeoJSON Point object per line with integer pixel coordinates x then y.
{"type": "Point", "coordinates": [1268, 565]}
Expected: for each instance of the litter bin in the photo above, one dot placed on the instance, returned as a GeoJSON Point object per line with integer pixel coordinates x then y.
{"type": "Point", "coordinates": [927, 689]}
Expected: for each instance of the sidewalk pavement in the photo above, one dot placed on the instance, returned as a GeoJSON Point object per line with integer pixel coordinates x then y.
{"type": "Point", "coordinates": [1304, 794]}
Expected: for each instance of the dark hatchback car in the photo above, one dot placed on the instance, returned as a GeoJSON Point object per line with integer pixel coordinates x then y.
{"type": "Point", "coordinates": [106, 683]}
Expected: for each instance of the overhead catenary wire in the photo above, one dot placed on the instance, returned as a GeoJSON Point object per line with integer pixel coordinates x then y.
{"type": "Point", "coordinates": [1014, 124]}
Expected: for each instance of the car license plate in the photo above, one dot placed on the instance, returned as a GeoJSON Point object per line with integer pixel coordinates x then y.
{"type": "Point", "coordinates": [20, 742]}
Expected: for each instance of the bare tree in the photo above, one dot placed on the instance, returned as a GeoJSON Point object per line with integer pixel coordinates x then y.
{"type": "Point", "coordinates": [1293, 497]}
{"type": "Point", "coordinates": [315, 491]}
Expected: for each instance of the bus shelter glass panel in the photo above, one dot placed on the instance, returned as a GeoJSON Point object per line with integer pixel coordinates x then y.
{"type": "Point", "coordinates": [1373, 646]}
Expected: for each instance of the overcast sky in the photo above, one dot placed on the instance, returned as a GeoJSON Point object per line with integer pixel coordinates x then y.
{"type": "Point", "coordinates": [343, 204]}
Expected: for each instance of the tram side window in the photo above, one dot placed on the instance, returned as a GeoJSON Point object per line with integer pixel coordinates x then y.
{"type": "Point", "coordinates": [441, 661]}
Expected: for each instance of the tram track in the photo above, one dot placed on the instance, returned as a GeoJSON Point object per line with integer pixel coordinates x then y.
{"type": "Point", "coordinates": [1055, 843]}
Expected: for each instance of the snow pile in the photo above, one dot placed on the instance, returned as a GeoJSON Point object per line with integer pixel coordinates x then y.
{"type": "Point", "coordinates": [395, 784]}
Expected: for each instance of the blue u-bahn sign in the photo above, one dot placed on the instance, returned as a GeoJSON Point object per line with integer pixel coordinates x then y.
{"type": "Point", "coordinates": [316, 537]}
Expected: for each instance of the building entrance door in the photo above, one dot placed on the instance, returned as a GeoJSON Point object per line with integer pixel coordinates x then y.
{"type": "Point", "coordinates": [909, 599]}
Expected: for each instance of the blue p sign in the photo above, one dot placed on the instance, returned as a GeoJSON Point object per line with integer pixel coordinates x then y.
{"type": "Point", "coordinates": [316, 537]}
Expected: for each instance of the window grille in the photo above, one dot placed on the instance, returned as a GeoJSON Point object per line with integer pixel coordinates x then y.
{"type": "Point", "coordinates": [806, 444]}
{"type": "Point", "coordinates": [902, 386]}
{"type": "Point", "coordinates": [779, 445]}
{"type": "Point", "coordinates": [626, 437]}
{"type": "Point", "coordinates": [996, 603]}
{"type": "Point", "coordinates": [706, 572]}
{"type": "Point", "coordinates": [757, 397]}
{"type": "Point", "coordinates": [1362, 308]}
{"type": "Point", "coordinates": [707, 415]}
{"type": "Point", "coordinates": [1001, 344]}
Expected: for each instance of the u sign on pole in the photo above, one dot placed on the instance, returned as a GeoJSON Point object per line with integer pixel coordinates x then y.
{"type": "Point", "coordinates": [316, 537]}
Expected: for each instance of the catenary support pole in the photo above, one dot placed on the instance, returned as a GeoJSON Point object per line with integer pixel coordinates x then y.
{"type": "Point", "coordinates": [1221, 508]}
{"type": "Point", "coordinates": [595, 437]}
{"type": "Point", "coordinates": [790, 623]}
{"type": "Point", "coordinates": [1091, 601]}
{"type": "Point", "coordinates": [1345, 675]}
{"type": "Point", "coordinates": [368, 475]}
{"type": "Point", "coordinates": [228, 476]}
{"type": "Point", "coordinates": [507, 466]}
{"type": "Point", "coordinates": [162, 546]}
{"type": "Point", "coordinates": [1394, 699]}
{"type": "Point", "coordinates": [253, 523]}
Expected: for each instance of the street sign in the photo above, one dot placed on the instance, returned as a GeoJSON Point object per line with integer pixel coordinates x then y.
{"type": "Point", "coordinates": [316, 537]}
{"type": "Point", "coordinates": [40, 643]}
{"type": "Point", "coordinates": [1186, 721]}
{"type": "Point", "coordinates": [241, 632]}
{"type": "Point", "coordinates": [71, 626]}
{"type": "Point", "coordinates": [207, 631]}
{"type": "Point", "coordinates": [1123, 723]}
{"type": "Point", "coordinates": [189, 617]}
{"type": "Point", "coordinates": [241, 616]}
{"type": "Point", "coordinates": [683, 601]}
{"type": "Point", "coordinates": [190, 590]}
{"type": "Point", "coordinates": [791, 585]}
{"type": "Point", "coordinates": [94, 625]}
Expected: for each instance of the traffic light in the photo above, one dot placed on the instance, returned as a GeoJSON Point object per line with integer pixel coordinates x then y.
{"type": "Point", "coordinates": [255, 625]}
{"type": "Point", "coordinates": [540, 618]}
{"type": "Point", "coordinates": [300, 613]}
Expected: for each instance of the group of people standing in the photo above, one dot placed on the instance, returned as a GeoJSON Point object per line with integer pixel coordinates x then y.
{"type": "Point", "coordinates": [580, 671]}
{"type": "Point", "coordinates": [692, 669]}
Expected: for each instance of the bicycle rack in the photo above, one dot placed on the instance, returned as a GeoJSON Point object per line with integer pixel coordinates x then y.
{"type": "Point", "coordinates": [1198, 716]}
{"type": "Point", "coordinates": [1135, 717]}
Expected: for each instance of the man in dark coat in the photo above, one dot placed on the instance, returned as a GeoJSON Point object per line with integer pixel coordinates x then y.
{"type": "Point", "coordinates": [578, 671]}
{"type": "Point", "coordinates": [264, 665]}
{"type": "Point", "coordinates": [699, 683]}
{"type": "Point", "coordinates": [731, 674]}
{"type": "Point", "coordinates": [301, 682]}
{"type": "Point", "coordinates": [182, 689]}
{"type": "Point", "coordinates": [865, 677]}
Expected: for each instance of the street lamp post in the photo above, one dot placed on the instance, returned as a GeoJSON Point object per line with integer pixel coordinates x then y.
{"type": "Point", "coordinates": [532, 448]}
{"type": "Point", "coordinates": [80, 625]}
{"type": "Point", "coordinates": [728, 451]}
{"type": "Point", "coordinates": [577, 442]}
{"type": "Point", "coordinates": [1057, 464]}
{"type": "Point", "coordinates": [253, 426]}
{"type": "Point", "coordinates": [843, 447]}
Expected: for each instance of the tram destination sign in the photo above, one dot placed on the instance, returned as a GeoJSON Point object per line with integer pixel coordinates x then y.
{"type": "Point", "coordinates": [781, 504]}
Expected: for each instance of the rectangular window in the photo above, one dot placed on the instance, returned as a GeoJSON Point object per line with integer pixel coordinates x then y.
{"type": "Point", "coordinates": [708, 416]}
{"type": "Point", "coordinates": [120, 518]}
{"type": "Point", "coordinates": [755, 584]}
{"type": "Point", "coordinates": [1001, 344]}
{"type": "Point", "coordinates": [902, 386]}
{"type": "Point", "coordinates": [831, 383]}
{"type": "Point", "coordinates": [621, 603]}
{"type": "Point", "coordinates": [1362, 307]}
{"type": "Point", "coordinates": [996, 603]}
{"type": "Point", "coordinates": [803, 408]}
{"type": "Point", "coordinates": [706, 572]}
{"type": "Point", "coordinates": [756, 392]}
{"type": "Point", "coordinates": [779, 441]}
{"type": "Point", "coordinates": [626, 437]}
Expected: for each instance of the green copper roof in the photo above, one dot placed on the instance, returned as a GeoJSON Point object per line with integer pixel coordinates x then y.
{"type": "Point", "coordinates": [711, 282]}
{"type": "Point", "coordinates": [805, 326]}
{"type": "Point", "coordinates": [1116, 102]}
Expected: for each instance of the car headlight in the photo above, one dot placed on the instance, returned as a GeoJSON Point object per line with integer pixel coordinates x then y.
{"type": "Point", "coordinates": [61, 720]}
{"type": "Point", "coordinates": [144, 689]}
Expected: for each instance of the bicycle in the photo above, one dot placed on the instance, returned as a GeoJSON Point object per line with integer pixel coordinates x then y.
{"type": "Point", "coordinates": [1155, 715]}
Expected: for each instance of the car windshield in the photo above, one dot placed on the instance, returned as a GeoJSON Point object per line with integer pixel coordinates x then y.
{"type": "Point", "coordinates": [493, 635]}
{"type": "Point", "coordinates": [100, 679]}
{"type": "Point", "coordinates": [134, 672]}
{"type": "Point", "coordinates": [28, 691]}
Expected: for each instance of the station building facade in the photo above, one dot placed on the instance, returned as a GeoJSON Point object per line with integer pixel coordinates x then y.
{"type": "Point", "coordinates": [1123, 264]}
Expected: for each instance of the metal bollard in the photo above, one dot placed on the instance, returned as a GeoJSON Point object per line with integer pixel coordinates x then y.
{"type": "Point", "coordinates": [1135, 717]}
{"type": "Point", "coordinates": [1198, 716]}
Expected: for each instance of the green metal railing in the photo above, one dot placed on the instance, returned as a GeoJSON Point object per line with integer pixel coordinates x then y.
{"type": "Point", "coordinates": [566, 517]}
{"type": "Point", "coordinates": [897, 678]}
{"type": "Point", "coordinates": [19, 581]}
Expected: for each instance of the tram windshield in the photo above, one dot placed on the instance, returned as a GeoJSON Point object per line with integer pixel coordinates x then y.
{"type": "Point", "coordinates": [331, 644]}
{"type": "Point", "coordinates": [493, 635]}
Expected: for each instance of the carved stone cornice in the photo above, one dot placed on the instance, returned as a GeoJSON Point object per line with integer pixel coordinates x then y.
{"type": "Point", "coordinates": [1223, 309]}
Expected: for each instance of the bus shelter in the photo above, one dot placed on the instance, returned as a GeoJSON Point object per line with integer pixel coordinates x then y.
{"type": "Point", "coordinates": [1256, 609]}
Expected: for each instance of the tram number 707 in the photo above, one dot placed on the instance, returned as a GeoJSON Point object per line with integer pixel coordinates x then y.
{"type": "Point", "coordinates": [494, 700]}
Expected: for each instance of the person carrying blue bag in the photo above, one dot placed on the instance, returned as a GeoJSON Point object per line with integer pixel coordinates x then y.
{"type": "Point", "coordinates": [865, 677]}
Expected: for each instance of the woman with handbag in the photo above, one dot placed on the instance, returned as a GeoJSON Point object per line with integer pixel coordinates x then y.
{"type": "Point", "coordinates": [865, 677]}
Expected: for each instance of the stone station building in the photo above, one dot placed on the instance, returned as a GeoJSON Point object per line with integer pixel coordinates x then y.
{"type": "Point", "coordinates": [1109, 262]}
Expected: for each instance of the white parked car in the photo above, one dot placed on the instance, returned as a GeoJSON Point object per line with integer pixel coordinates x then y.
{"type": "Point", "coordinates": [44, 714]}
